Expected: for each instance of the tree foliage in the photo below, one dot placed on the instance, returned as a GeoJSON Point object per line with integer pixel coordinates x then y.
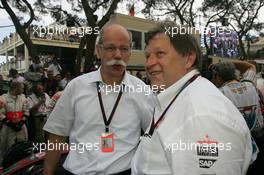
{"type": "Point", "coordinates": [181, 11]}
{"type": "Point", "coordinates": [14, 8]}
{"type": "Point", "coordinates": [241, 16]}
{"type": "Point", "coordinates": [214, 11]}
{"type": "Point", "coordinates": [89, 8]}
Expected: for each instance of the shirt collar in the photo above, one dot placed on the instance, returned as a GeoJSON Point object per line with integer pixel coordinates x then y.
{"type": "Point", "coordinates": [97, 77]}
{"type": "Point", "coordinates": [165, 97]}
{"type": "Point", "coordinates": [12, 96]}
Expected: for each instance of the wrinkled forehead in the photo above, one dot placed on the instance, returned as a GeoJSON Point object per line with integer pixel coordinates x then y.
{"type": "Point", "coordinates": [159, 41]}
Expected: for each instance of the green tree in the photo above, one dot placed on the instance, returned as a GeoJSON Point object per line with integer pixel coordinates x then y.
{"type": "Point", "coordinates": [14, 8]}
{"type": "Point", "coordinates": [214, 11]}
{"type": "Point", "coordinates": [89, 8]}
{"type": "Point", "coordinates": [241, 16]}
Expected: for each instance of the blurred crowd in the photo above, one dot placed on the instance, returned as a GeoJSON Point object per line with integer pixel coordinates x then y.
{"type": "Point", "coordinates": [29, 101]}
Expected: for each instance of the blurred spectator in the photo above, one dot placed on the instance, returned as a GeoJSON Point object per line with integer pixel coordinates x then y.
{"type": "Point", "coordinates": [36, 65]}
{"type": "Point", "coordinates": [55, 67]}
{"type": "Point", "coordinates": [51, 84]}
{"type": "Point", "coordinates": [58, 77]}
{"type": "Point", "coordinates": [242, 93]}
{"type": "Point", "coordinates": [260, 86]}
{"type": "Point", "coordinates": [38, 102]}
{"type": "Point", "coordinates": [14, 110]}
{"type": "Point", "coordinates": [49, 59]}
{"type": "Point", "coordinates": [68, 77]}
{"type": "Point", "coordinates": [15, 77]}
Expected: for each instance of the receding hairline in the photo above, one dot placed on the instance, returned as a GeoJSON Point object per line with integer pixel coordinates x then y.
{"type": "Point", "coordinates": [111, 26]}
{"type": "Point", "coordinates": [116, 27]}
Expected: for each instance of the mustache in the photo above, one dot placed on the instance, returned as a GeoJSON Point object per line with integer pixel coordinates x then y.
{"type": "Point", "coordinates": [116, 62]}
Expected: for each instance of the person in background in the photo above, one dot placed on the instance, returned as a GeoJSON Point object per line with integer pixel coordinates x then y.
{"type": "Point", "coordinates": [56, 96]}
{"type": "Point", "coordinates": [49, 59]}
{"type": "Point", "coordinates": [245, 96]}
{"type": "Point", "coordinates": [38, 104]}
{"type": "Point", "coordinates": [14, 110]}
{"type": "Point", "coordinates": [55, 67]}
{"type": "Point", "coordinates": [51, 84]}
{"type": "Point", "coordinates": [36, 66]}
{"type": "Point", "coordinates": [242, 93]}
{"type": "Point", "coordinates": [14, 76]}
{"type": "Point", "coordinates": [68, 77]}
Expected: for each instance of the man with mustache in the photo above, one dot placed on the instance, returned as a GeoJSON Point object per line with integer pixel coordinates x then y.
{"type": "Point", "coordinates": [195, 129]}
{"type": "Point", "coordinates": [103, 129]}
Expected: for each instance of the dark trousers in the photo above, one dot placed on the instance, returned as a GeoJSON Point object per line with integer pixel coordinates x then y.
{"type": "Point", "coordinates": [257, 167]}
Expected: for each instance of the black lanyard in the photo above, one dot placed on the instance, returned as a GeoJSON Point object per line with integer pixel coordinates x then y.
{"type": "Point", "coordinates": [107, 122]}
{"type": "Point", "coordinates": [153, 124]}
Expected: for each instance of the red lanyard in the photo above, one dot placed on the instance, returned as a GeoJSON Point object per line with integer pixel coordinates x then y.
{"type": "Point", "coordinates": [153, 124]}
{"type": "Point", "coordinates": [107, 122]}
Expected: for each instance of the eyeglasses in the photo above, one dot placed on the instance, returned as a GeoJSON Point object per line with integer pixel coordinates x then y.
{"type": "Point", "coordinates": [112, 49]}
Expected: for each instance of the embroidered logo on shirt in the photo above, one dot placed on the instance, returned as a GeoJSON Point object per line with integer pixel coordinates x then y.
{"type": "Point", "coordinates": [207, 147]}
{"type": "Point", "coordinates": [206, 163]}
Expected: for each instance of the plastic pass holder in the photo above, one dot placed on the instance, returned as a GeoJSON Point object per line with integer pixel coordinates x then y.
{"type": "Point", "coordinates": [107, 142]}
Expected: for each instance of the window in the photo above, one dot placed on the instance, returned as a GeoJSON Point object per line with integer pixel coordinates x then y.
{"type": "Point", "coordinates": [136, 40]}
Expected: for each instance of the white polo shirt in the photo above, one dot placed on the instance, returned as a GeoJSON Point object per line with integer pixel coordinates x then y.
{"type": "Point", "coordinates": [77, 114]}
{"type": "Point", "coordinates": [201, 133]}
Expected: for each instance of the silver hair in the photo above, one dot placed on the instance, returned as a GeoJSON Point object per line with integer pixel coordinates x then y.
{"type": "Point", "coordinates": [100, 37]}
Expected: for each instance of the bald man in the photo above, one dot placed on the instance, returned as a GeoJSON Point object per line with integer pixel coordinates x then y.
{"type": "Point", "coordinates": [101, 113]}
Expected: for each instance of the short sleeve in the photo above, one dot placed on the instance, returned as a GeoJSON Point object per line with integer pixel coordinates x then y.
{"type": "Point", "coordinates": [250, 75]}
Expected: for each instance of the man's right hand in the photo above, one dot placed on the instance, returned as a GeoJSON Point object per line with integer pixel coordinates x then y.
{"type": "Point", "coordinates": [53, 156]}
